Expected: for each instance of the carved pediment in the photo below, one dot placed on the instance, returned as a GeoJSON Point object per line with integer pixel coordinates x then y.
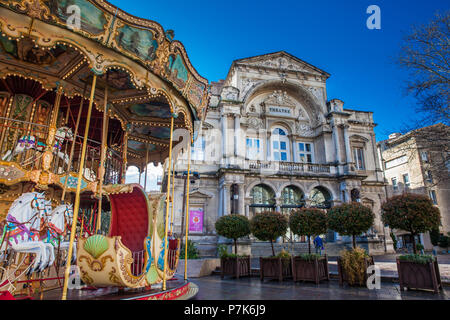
{"type": "Point", "coordinates": [358, 138]}
{"type": "Point", "coordinates": [199, 193]}
{"type": "Point", "coordinates": [282, 61]}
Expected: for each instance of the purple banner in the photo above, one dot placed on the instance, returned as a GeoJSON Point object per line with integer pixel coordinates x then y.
{"type": "Point", "coordinates": [196, 220]}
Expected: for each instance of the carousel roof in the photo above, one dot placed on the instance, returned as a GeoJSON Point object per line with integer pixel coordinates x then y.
{"type": "Point", "coordinates": [148, 74]}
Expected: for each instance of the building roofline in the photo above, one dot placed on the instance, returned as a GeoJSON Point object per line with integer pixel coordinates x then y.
{"type": "Point", "coordinates": [410, 134]}
{"type": "Point", "coordinates": [282, 52]}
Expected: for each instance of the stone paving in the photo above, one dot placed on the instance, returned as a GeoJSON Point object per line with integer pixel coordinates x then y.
{"type": "Point", "coordinates": [213, 288]}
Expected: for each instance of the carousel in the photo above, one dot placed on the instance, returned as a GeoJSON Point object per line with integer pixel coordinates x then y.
{"type": "Point", "coordinates": [79, 104]}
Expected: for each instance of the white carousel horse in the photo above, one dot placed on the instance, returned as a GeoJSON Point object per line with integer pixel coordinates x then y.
{"type": "Point", "coordinates": [26, 143]}
{"type": "Point", "coordinates": [89, 174]}
{"type": "Point", "coordinates": [21, 233]}
{"type": "Point", "coordinates": [58, 226]}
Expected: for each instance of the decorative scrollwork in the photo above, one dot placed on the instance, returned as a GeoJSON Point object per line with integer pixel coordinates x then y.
{"type": "Point", "coordinates": [96, 265]}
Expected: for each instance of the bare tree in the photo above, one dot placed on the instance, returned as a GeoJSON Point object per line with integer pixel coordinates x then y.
{"type": "Point", "coordinates": [426, 54]}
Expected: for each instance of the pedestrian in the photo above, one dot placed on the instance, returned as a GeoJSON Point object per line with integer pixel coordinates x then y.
{"type": "Point", "coordinates": [318, 243]}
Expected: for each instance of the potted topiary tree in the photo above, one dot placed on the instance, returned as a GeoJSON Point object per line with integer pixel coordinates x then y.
{"type": "Point", "coordinates": [234, 227]}
{"type": "Point", "coordinates": [444, 242]}
{"type": "Point", "coordinates": [309, 267]}
{"type": "Point", "coordinates": [352, 219]}
{"type": "Point", "coordinates": [416, 214]}
{"type": "Point", "coordinates": [268, 226]}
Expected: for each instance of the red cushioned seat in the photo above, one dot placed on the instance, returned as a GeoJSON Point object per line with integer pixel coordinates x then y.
{"type": "Point", "coordinates": [129, 218]}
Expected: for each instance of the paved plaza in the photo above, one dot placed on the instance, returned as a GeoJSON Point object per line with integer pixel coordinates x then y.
{"type": "Point", "coordinates": [214, 288]}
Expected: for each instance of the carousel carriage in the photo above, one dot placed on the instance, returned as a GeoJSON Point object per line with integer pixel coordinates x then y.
{"type": "Point", "coordinates": [78, 106]}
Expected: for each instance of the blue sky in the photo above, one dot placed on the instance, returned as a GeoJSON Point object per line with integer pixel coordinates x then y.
{"type": "Point", "coordinates": [332, 35]}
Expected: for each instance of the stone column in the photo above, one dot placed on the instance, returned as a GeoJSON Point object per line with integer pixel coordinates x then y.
{"type": "Point", "coordinates": [226, 199]}
{"type": "Point", "coordinates": [237, 135]}
{"type": "Point", "coordinates": [292, 138]}
{"type": "Point", "coordinates": [241, 200]}
{"type": "Point", "coordinates": [224, 120]}
{"type": "Point", "coordinates": [337, 144]}
{"type": "Point", "coordinates": [348, 150]}
{"type": "Point", "coordinates": [278, 205]}
{"type": "Point", "coordinates": [220, 209]}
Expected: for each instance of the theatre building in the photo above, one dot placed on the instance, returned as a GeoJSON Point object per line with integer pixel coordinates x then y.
{"type": "Point", "coordinates": [273, 140]}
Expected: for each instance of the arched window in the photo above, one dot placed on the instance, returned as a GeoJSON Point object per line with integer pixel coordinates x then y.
{"type": "Point", "coordinates": [280, 145]}
{"type": "Point", "coordinates": [320, 198]}
{"type": "Point", "coordinates": [292, 198]}
{"type": "Point", "coordinates": [263, 199]}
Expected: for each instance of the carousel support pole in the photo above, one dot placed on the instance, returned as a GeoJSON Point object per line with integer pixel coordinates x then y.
{"type": "Point", "coordinates": [187, 212]}
{"type": "Point", "coordinates": [145, 168]}
{"type": "Point", "coordinates": [66, 118]}
{"type": "Point", "coordinates": [124, 156]}
{"type": "Point", "coordinates": [72, 150]}
{"type": "Point", "coordinates": [5, 128]}
{"type": "Point", "coordinates": [102, 160]}
{"type": "Point", "coordinates": [54, 119]}
{"type": "Point", "coordinates": [166, 246]}
{"type": "Point", "coordinates": [77, 197]}
{"type": "Point", "coordinates": [140, 173]}
{"type": "Point", "coordinates": [82, 224]}
{"type": "Point", "coordinates": [48, 156]}
{"type": "Point", "coordinates": [173, 197]}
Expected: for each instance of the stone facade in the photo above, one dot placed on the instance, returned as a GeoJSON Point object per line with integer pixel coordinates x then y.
{"type": "Point", "coordinates": [417, 162]}
{"type": "Point", "coordinates": [273, 140]}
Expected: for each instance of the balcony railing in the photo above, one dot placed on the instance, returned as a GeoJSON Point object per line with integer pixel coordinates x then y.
{"type": "Point", "coordinates": [289, 167]}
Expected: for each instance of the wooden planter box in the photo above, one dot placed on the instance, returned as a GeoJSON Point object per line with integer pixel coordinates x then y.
{"type": "Point", "coordinates": [275, 268]}
{"type": "Point", "coordinates": [235, 267]}
{"type": "Point", "coordinates": [419, 276]}
{"type": "Point", "coordinates": [310, 270]}
{"type": "Point", "coordinates": [343, 276]}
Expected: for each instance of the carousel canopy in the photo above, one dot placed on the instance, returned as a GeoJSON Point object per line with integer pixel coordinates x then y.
{"type": "Point", "coordinates": [147, 74]}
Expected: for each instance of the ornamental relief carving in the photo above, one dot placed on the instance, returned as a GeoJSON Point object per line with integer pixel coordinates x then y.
{"type": "Point", "coordinates": [247, 84]}
{"type": "Point", "coordinates": [279, 98]}
{"type": "Point", "coordinates": [230, 94]}
{"type": "Point", "coordinates": [255, 123]}
{"type": "Point", "coordinates": [279, 63]}
{"type": "Point", "coordinates": [318, 94]}
{"type": "Point", "coordinates": [304, 130]}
